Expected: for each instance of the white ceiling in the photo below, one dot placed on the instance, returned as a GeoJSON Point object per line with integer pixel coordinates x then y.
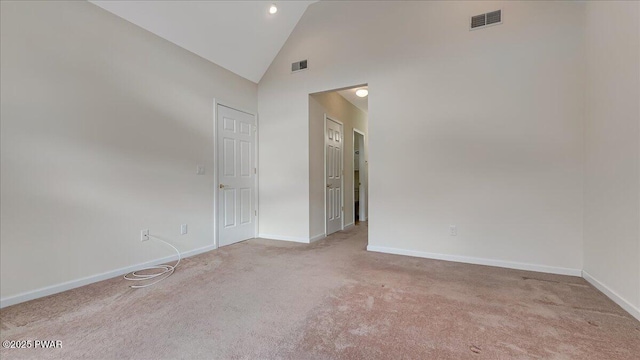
{"type": "Point", "coordinates": [350, 95]}
{"type": "Point", "coordinates": [240, 36]}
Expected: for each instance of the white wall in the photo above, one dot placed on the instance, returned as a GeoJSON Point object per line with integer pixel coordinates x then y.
{"type": "Point", "coordinates": [482, 129]}
{"type": "Point", "coordinates": [103, 125]}
{"type": "Point", "coordinates": [612, 143]}
{"type": "Point", "coordinates": [338, 108]}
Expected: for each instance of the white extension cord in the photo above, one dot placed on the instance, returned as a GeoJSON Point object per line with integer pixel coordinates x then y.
{"type": "Point", "coordinates": [165, 270]}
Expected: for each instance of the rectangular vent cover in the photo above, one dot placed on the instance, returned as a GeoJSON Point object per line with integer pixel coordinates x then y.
{"type": "Point", "coordinates": [484, 20]}
{"type": "Point", "coordinates": [299, 66]}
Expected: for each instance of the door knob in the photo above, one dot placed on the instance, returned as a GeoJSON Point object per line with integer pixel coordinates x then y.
{"type": "Point", "coordinates": [221, 186]}
{"type": "Point", "coordinates": [329, 186]}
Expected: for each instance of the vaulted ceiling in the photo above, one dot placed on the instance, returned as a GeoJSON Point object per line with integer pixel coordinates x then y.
{"type": "Point", "coordinates": [240, 36]}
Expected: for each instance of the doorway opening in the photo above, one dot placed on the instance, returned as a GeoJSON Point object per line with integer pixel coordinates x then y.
{"type": "Point", "coordinates": [338, 160]}
{"type": "Point", "coordinates": [359, 177]}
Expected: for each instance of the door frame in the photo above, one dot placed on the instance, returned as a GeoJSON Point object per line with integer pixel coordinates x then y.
{"type": "Point", "coordinates": [216, 197]}
{"type": "Point", "coordinates": [326, 225]}
{"type": "Point", "coordinates": [364, 162]}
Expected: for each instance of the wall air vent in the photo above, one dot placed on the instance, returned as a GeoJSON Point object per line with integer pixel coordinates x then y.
{"type": "Point", "coordinates": [478, 21]}
{"type": "Point", "coordinates": [484, 20]}
{"type": "Point", "coordinates": [299, 66]}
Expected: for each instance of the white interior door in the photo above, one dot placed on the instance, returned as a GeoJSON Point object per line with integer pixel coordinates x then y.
{"type": "Point", "coordinates": [334, 170]}
{"type": "Point", "coordinates": [236, 139]}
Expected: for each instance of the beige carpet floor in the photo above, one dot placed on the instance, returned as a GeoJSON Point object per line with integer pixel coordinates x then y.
{"type": "Point", "coordinates": [263, 299]}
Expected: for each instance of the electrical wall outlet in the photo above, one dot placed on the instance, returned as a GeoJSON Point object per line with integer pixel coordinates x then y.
{"type": "Point", "coordinates": [144, 235]}
{"type": "Point", "coordinates": [200, 170]}
{"type": "Point", "coordinates": [183, 229]}
{"type": "Point", "coordinates": [453, 230]}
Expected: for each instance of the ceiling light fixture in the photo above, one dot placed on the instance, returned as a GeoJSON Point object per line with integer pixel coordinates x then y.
{"type": "Point", "coordinates": [273, 9]}
{"type": "Point", "coordinates": [362, 92]}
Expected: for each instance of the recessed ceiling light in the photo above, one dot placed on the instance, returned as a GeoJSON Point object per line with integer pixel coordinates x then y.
{"type": "Point", "coordinates": [362, 92]}
{"type": "Point", "coordinates": [273, 9]}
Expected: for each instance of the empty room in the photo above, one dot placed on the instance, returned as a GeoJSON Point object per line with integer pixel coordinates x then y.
{"type": "Point", "coordinates": [320, 179]}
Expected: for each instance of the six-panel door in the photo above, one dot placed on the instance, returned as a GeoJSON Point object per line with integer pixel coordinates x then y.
{"type": "Point", "coordinates": [334, 171]}
{"type": "Point", "coordinates": [236, 175]}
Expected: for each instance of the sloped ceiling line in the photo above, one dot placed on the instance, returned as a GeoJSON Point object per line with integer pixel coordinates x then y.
{"type": "Point", "coordinates": [240, 36]}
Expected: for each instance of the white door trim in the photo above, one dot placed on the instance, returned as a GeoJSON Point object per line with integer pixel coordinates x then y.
{"type": "Point", "coordinates": [326, 229]}
{"type": "Point", "coordinates": [216, 180]}
{"type": "Point", "coordinates": [353, 160]}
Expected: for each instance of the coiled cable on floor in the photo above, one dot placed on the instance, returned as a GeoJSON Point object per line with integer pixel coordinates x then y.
{"type": "Point", "coordinates": [164, 270]}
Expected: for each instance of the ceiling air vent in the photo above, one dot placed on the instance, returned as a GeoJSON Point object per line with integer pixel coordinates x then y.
{"type": "Point", "coordinates": [487, 19]}
{"type": "Point", "coordinates": [299, 66]}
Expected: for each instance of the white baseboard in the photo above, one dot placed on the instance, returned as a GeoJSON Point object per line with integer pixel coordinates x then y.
{"type": "Point", "coordinates": [626, 305]}
{"type": "Point", "coordinates": [349, 225]}
{"type": "Point", "coordinates": [54, 289]}
{"type": "Point", "coordinates": [317, 237]}
{"type": "Point", "coordinates": [478, 261]}
{"type": "Point", "coordinates": [297, 239]}
{"type": "Point", "coordinates": [284, 238]}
